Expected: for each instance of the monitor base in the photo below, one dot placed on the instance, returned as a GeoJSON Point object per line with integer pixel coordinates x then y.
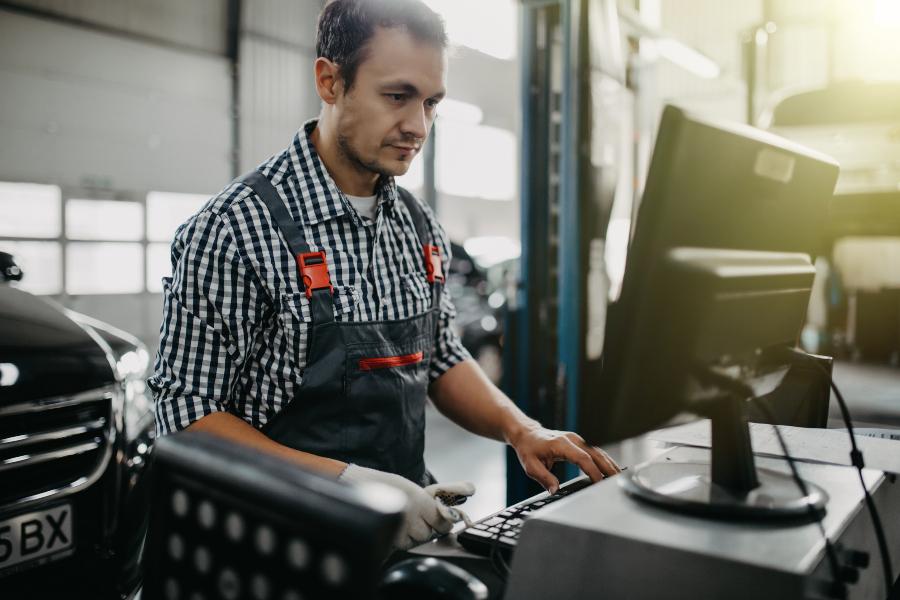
{"type": "Point", "coordinates": [687, 487]}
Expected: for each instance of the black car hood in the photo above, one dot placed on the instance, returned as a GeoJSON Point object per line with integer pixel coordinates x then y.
{"type": "Point", "coordinates": [44, 353]}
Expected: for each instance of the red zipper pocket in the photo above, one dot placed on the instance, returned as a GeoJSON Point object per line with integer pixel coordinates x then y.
{"type": "Point", "coordinates": [387, 362]}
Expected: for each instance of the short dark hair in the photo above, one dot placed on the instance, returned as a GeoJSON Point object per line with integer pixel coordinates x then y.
{"type": "Point", "coordinates": [345, 27]}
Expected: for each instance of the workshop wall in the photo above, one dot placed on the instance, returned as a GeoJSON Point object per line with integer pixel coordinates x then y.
{"type": "Point", "coordinates": [277, 50]}
{"type": "Point", "coordinates": [99, 110]}
{"type": "Point", "coordinates": [199, 24]}
{"type": "Point", "coordinates": [111, 103]}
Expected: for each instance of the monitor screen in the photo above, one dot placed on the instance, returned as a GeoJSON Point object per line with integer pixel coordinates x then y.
{"type": "Point", "coordinates": [711, 185]}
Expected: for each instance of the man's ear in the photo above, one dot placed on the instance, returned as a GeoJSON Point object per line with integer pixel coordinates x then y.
{"type": "Point", "coordinates": [329, 84]}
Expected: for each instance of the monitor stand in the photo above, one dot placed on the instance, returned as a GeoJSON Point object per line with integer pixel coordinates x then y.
{"type": "Point", "coordinates": [730, 487]}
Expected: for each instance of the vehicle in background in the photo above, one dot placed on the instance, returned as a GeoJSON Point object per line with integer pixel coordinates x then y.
{"type": "Point", "coordinates": [480, 298]}
{"type": "Point", "coordinates": [76, 432]}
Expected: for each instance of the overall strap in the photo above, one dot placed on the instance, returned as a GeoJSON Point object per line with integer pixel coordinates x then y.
{"type": "Point", "coordinates": [293, 235]}
{"type": "Point", "coordinates": [434, 270]}
{"type": "Point", "coordinates": [313, 266]}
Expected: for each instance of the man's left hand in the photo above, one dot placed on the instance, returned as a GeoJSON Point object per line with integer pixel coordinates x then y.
{"type": "Point", "coordinates": [539, 448]}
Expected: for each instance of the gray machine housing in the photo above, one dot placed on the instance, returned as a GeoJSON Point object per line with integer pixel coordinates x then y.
{"type": "Point", "coordinates": [602, 543]}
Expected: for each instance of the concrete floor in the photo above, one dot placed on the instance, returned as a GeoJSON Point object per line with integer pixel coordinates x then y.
{"type": "Point", "coordinates": [871, 391]}
{"type": "Point", "coordinates": [454, 454]}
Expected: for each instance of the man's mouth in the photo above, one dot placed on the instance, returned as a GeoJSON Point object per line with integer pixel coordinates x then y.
{"type": "Point", "coordinates": [405, 152]}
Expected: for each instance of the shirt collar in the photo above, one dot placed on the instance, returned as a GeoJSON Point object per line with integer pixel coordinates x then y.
{"type": "Point", "coordinates": [324, 201]}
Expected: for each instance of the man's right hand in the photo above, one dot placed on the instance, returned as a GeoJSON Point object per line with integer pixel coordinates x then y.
{"type": "Point", "coordinates": [423, 515]}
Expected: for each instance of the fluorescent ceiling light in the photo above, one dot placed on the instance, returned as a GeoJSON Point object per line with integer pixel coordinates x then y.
{"type": "Point", "coordinates": [668, 47]}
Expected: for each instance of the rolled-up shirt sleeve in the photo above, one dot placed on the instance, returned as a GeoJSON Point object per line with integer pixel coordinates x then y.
{"type": "Point", "coordinates": [207, 322]}
{"type": "Point", "coordinates": [449, 350]}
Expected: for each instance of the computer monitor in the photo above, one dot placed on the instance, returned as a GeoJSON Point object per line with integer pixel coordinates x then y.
{"type": "Point", "coordinates": [715, 291]}
{"type": "Point", "coordinates": [228, 521]}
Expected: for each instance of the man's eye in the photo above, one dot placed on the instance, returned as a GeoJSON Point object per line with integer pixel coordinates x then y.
{"type": "Point", "coordinates": [431, 103]}
{"type": "Point", "coordinates": [396, 97]}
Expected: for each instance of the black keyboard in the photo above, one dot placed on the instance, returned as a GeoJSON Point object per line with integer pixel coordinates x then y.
{"type": "Point", "coordinates": [500, 531]}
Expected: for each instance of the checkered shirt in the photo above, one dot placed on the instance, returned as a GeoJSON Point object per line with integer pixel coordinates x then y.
{"type": "Point", "coordinates": [236, 320]}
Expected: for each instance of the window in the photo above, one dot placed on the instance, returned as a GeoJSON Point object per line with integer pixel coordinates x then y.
{"type": "Point", "coordinates": [101, 248]}
{"type": "Point", "coordinates": [104, 220]}
{"type": "Point", "coordinates": [104, 268]}
{"type": "Point", "coordinates": [29, 210]}
{"type": "Point", "coordinates": [167, 210]}
{"type": "Point", "coordinates": [41, 264]}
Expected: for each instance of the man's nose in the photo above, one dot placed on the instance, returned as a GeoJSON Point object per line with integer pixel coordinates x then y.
{"type": "Point", "coordinates": [415, 123]}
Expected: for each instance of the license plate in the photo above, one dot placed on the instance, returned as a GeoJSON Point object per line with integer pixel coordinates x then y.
{"type": "Point", "coordinates": [35, 538]}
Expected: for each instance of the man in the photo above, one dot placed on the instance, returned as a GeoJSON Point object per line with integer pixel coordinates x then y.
{"type": "Point", "coordinates": [306, 314]}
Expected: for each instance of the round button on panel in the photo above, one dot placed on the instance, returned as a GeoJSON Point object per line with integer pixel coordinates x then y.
{"type": "Point", "coordinates": [180, 503]}
{"type": "Point", "coordinates": [260, 587]}
{"type": "Point", "coordinates": [171, 589]}
{"type": "Point", "coordinates": [206, 514]}
{"type": "Point", "coordinates": [176, 547]}
{"type": "Point", "coordinates": [229, 584]}
{"type": "Point", "coordinates": [334, 569]}
{"type": "Point", "coordinates": [202, 559]}
{"type": "Point", "coordinates": [265, 539]}
{"type": "Point", "coordinates": [234, 527]}
{"type": "Point", "coordinates": [298, 554]}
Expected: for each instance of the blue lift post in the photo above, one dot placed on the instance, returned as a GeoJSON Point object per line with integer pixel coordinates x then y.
{"type": "Point", "coordinates": [572, 248]}
{"type": "Point", "coordinates": [545, 342]}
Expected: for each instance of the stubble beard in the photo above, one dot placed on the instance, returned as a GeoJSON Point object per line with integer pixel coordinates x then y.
{"type": "Point", "coordinates": [353, 157]}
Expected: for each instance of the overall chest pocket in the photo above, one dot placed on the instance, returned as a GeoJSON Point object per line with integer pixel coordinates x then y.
{"type": "Point", "coordinates": [297, 325]}
{"type": "Point", "coordinates": [387, 384]}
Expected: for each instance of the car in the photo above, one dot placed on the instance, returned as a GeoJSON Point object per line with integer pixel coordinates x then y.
{"type": "Point", "coordinates": [480, 298]}
{"type": "Point", "coordinates": [76, 434]}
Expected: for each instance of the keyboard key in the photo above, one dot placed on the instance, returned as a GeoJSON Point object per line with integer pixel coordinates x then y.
{"type": "Point", "coordinates": [508, 540]}
{"type": "Point", "coordinates": [479, 533]}
{"type": "Point", "coordinates": [493, 521]}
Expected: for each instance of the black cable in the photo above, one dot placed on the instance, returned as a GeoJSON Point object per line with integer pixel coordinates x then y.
{"type": "Point", "coordinates": [856, 459]}
{"type": "Point", "coordinates": [830, 552]}
{"type": "Point", "coordinates": [493, 558]}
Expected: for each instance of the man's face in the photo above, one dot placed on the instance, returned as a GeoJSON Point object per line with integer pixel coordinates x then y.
{"type": "Point", "coordinates": [382, 122]}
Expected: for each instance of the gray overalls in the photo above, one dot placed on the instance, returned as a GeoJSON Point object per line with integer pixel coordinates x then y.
{"type": "Point", "coordinates": [362, 397]}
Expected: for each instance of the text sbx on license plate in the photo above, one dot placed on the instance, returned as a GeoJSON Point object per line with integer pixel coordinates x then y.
{"type": "Point", "coordinates": [35, 535]}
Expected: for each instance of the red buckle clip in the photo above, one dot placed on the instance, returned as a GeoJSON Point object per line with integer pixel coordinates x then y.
{"type": "Point", "coordinates": [433, 267]}
{"type": "Point", "coordinates": [314, 272]}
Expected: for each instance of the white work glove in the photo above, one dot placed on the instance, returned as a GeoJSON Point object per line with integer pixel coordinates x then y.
{"type": "Point", "coordinates": [424, 514]}
{"type": "Point", "coordinates": [446, 493]}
